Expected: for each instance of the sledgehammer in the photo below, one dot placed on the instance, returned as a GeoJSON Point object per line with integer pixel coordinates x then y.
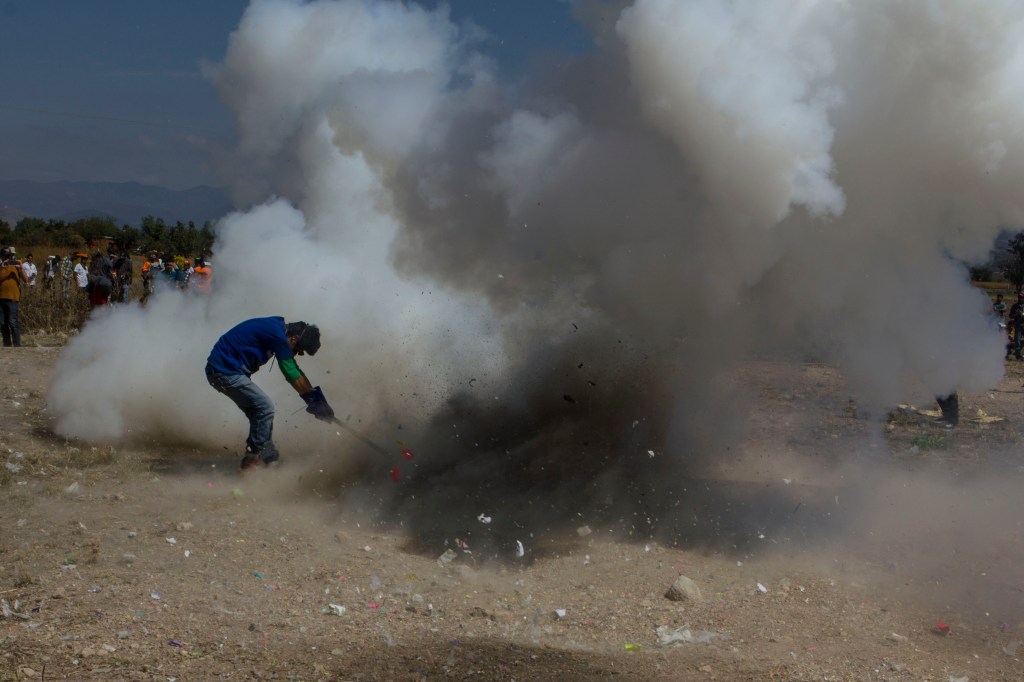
{"type": "Point", "coordinates": [366, 441]}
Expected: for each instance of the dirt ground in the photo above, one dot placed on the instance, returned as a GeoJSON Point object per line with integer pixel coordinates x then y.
{"type": "Point", "coordinates": [873, 534]}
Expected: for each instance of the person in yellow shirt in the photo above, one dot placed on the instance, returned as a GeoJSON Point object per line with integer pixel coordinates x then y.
{"type": "Point", "coordinates": [11, 277]}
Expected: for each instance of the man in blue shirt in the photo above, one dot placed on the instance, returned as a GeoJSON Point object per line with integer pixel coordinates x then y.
{"type": "Point", "coordinates": [243, 350]}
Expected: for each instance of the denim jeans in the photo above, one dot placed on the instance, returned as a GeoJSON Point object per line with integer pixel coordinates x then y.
{"type": "Point", "coordinates": [9, 322]}
{"type": "Point", "coordinates": [256, 405]}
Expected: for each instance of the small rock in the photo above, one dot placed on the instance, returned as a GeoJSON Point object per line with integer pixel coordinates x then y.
{"type": "Point", "coordinates": [683, 589]}
{"type": "Point", "coordinates": [583, 531]}
{"type": "Point", "coordinates": [893, 637]}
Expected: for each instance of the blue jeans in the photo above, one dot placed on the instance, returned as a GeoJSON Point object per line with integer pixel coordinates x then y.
{"type": "Point", "coordinates": [256, 405]}
{"type": "Point", "coordinates": [9, 322]}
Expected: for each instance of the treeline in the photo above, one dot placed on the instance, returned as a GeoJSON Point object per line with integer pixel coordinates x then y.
{"type": "Point", "coordinates": [152, 235]}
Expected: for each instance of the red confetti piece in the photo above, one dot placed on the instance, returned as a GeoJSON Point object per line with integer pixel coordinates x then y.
{"type": "Point", "coordinates": [942, 627]}
{"type": "Point", "coordinates": [374, 605]}
{"type": "Point", "coordinates": [407, 453]}
{"type": "Point", "coordinates": [395, 474]}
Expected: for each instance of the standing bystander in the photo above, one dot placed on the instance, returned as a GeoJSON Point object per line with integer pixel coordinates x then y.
{"type": "Point", "coordinates": [203, 276]}
{"type": "Point", "coordinates": [64, 272]}
{"type": "Point", "coordinates": [28, 269]}
{"type": "Point", "coordinates": [1016, 320]}
{"type": "Point", "coordinates": [49, 271]}
{"type": "Point", "coordinates": [11, 277]}
{"type": "Point", "coordinates": [122, 277]}
{"type": "Point", "coordinates": [82, 272]}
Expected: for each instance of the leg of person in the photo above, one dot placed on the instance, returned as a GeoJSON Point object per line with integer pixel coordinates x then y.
{"type": "Point", "coordinates": [15, 326]}
{"type": "Point", "coordinates": [950, 407]}
{"type": "Point", "coordinates": [5, 325]}
{"type": "Point", "coordinates": [258, 407]}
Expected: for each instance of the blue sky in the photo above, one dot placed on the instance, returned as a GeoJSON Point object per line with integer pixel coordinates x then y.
{"type": "Point", "coordinates": [112, 90]}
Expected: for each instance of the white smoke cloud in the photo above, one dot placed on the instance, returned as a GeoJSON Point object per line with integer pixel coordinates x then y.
{"type": "Point", "coordinates": [719, 178]}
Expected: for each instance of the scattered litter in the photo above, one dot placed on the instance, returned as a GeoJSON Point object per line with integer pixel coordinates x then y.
{"type": "Point", "coordinates": [374, 605]}
{"type": "Point", "coordinates": [188, 553]}
{"type": "Point", "coordinates": [336, 609]}
{"type": "Point", "coordinates": [407, 453]}
{"type": "Point", "coordinates": [941, 627]}
{"type": "Point", "coordinates": [446, 558]}
{"type": "Point", "coordinates": [395, 474]}
{"type": "Point", "coordinates": [647, 548]}
{"type": "Point", "coordinates": [586, 560]}
{"type": "Point", "coordinates": [560, 613]}
{"type": "Point", "coordinates": [583, 531]}
{"type": "Point", "coordinates": [787, 481]}
{"type": "Point", "coordinates": [632, 647]}
{"type": "Point", "coordinates": [483, 519]}
{"type": "Point", "coordinates": [954, 678]}
{"type": "Point", "coordinates": [893, 637]}
{"type": "Point", "coordinates": [520, 550]}
{"type": "Point", "coordinates": [650, 453]}
{"type": "Point", "coordinates": [761, 588]}
{"type": "Point", "coordinates": [367, 548]}
{"type": "Point", "coordinates": [667, 636]}
{"type": "Point", "coordinates": [258, 574]}
{"type": "Point", "coordinates": [171, 541]}
{"type": "Point", "coordinates": [8, 612]}
{"type": "Point", "coordinates": [1005, 627]}
{"type": "Point", "coordinates": [1011, 648]}
{"type": "Point", "coordinates": [155, 595]}
{"type": "Point", "coordinates": [174, 642]}
{"type": "Point", "coordinates": [73, 488]}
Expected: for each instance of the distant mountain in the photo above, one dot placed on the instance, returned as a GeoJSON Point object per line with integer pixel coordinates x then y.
{"type": "Point", "coordinates": [125, 202]}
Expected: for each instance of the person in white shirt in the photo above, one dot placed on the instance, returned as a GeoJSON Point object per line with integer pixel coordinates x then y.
{"type": "Point", "coordinates": [50, 271]}
{"type": "Point", "coordinates": [28, 269]}
{"type": "Point", "coordinates": [82, 273]}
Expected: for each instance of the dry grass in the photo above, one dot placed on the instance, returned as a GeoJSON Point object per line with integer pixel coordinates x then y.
{"type": "Point", "coordinates": [45, 310]}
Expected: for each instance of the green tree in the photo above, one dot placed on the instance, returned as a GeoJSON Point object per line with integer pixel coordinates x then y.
{"type": "Point", "coordinates": [154, 234]}
{"type": "Point", "coordinates": [1014, 267]}
{"type": "Point", "coordinates": [127, 238]}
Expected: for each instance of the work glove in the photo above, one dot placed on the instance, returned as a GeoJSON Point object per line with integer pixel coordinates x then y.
{"type": "Point", "coordinates": [316, 404]}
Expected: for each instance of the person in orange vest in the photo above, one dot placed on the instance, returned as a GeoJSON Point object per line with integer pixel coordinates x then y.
{"type": "Point", "coordinates": [202, 276]}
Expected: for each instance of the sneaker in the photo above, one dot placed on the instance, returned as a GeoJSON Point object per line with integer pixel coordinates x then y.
{"type": "Point", "coordinates": [271, 459]}
{"type": "Point", "coordinates": [249, 462]}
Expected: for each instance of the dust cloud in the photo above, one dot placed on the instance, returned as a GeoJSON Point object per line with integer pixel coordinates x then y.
{"type": "Point", "coordinates": [535, 283]}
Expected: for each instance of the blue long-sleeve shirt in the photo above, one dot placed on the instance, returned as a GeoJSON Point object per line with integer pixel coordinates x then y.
{"type": "Point", "coordinates": [249, 345]}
